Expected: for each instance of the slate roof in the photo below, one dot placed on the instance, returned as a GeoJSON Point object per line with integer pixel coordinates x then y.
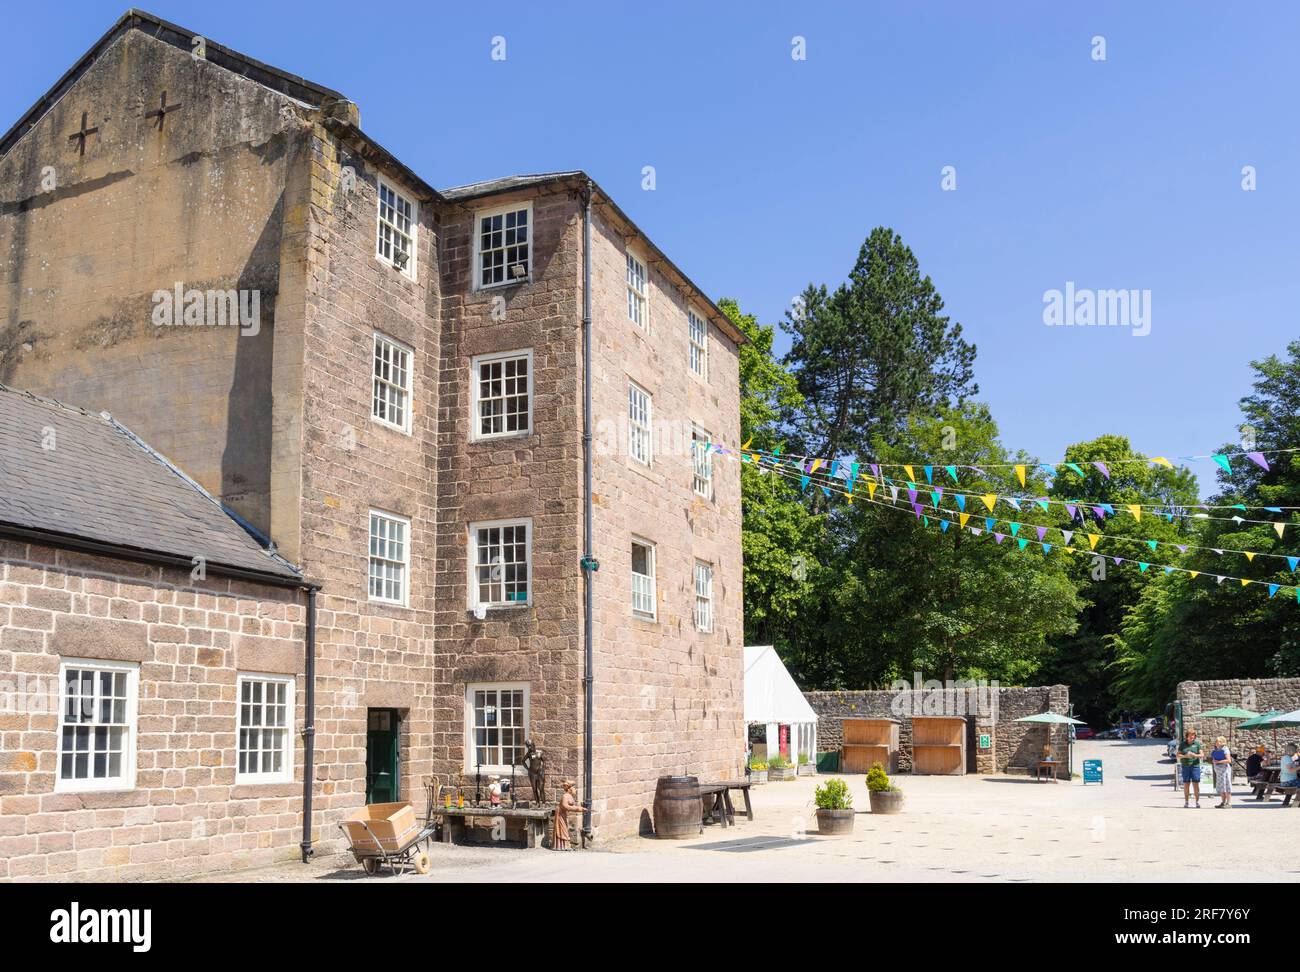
{"type": "Point", "coordinates": [475, 189]}
{"type": "Point", "coordinates": [100, 482]}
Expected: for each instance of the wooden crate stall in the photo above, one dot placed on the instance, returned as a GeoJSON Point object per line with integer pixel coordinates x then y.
{"type": "Point", "coordinates": [939, 745]}
{"type": "Point", "coordinates": [865, 742]}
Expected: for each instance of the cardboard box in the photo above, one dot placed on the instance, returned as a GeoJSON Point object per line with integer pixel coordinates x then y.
{"type": "Point", "coordinates": [392, 824]}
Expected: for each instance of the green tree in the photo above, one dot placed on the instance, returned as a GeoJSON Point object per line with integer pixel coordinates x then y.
{"type": "Point", "coordinates": [1084, 659]}
{"type": "Point", "coordinates": [1198, 628]}
{"type": "Point", "coordinates": [872, 352]}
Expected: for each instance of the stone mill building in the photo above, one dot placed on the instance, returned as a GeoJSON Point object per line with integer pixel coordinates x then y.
{"type": "Point", "coordinates": [297, 473]}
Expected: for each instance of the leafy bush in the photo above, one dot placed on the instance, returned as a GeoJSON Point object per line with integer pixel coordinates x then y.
{"type": "Point", "coordinates": [803, 759]}
{"type": "Point", "coordinates": [833, 795]}
{"type": "Point", "coordinates": [777, 762]}
{"type": "Point", "coordinates": [878, 780]}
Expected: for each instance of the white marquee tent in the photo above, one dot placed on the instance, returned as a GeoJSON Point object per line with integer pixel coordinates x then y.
{"type": "Point", "coordinates": [772, 699]}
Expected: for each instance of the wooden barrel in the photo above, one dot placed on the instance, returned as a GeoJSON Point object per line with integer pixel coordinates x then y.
{"type": "Point", "coordinates": [677, 807]}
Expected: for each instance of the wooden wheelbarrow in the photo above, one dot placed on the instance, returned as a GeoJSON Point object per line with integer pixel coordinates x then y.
{"type": "Point", "coordinates": [387, 835]}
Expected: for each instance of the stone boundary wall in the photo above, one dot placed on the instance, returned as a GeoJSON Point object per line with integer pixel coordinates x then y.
{"type": "Point", "coordinates": [1255, 694]}
{"type": "Point", "coordinates": [991, 710]}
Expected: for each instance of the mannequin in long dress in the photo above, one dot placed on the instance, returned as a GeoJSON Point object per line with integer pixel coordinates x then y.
{"type": "Point", "coordinates": [568, 804]}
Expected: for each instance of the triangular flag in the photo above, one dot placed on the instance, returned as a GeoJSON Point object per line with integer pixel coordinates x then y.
{"type": "Point", "coordinates": [747, 444]}
{"type": "Point", "coordinates": [1258, 459]}
{"type": "Point", "coordinates": [1223, 461]}
{"type": "Point", "coordinates": [1136, 510]}
{"type": "Point", "coordinates": [1069, 535]}
{"type": "Point", "coordinates": [1152, 545]}
{"type": "Point", "coordinates": [1042, 501]}
{"type": "Point", "coordinates": [1250, 555]}
{"type": "Point", "coordinates": [872, 486]}
{"type": "Point", "coordinates": [935, 496]}
{"type": "Point", "coordinates": [1293, 561]}
{"type": "Point", "coordinates": [1105, 470]}
{"type": "Point", "coordinates": [929, 474]}
{"type": "Point", "coordinates": [952, 471]}
{"type": "Point", "coordinates": [816, 463]}
{"type": "Point", "coordinates": [990, 500]}
{"type": "Point", "coordinates": [1020, 474]}
{"type": "Point", "coordinates": [975, 531]}
{"type": "Point", "coordinates": [1273, 589]}
{"type": "Point", "coordinates": [1244, 582]}
{"type": "Point", "coordinates": [998, 537]}
{"type": "Point", "coordinates": [1195, 574]}
{"type": "Point", "coordinates": [943, 525]}
{"type": "Point", "coordinates": [1015, 528]}
{"type": "Point", "coordinates": [1092, 541]}
{"type": "Point", "coordinates": [1162, 461]}
{"type": "Point", "coordinates": [1022, 541]}
{"type": "Point", "coordinates": [1047, 547]}
{"type": "Point", "coordinates": [803, 482]}
{"type": "Point", "coordinates": [988, 523]}
{"type": "Point", "coordinates": [1042, 532]}
{"type": "Point", "coordinates": [962, 518]}
{"type": "Point", "coordinates": [908, 470]}
{"type": "Point", "coordinates": [1279, 527]}
{"type": "Point", "coordinates": [1075, 467]}
{"type": "Point", "coordinates": [1143, 567]}
{"type": "Point", "coordinates": [961, 501]}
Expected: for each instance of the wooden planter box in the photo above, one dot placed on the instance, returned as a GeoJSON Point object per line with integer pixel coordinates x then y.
{"type": "Point", "coordinates": [832, 822]}
{"type": "Point", "coordinates": [757, 776]}
{"type": "Point", "coordinates": [780, 775]}
{"type": "Point", "coordinates": [883, 801]}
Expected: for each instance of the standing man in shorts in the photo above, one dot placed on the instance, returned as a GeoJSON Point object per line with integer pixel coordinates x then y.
{"type": "Point", "coordinates": [1189, 766]}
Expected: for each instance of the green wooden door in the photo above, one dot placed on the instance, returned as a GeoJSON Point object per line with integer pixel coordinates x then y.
{"type": "Point", "coordinates": [383, 756]}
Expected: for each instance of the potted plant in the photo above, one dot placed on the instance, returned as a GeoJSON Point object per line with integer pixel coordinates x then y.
{"type": "Point", "coordinates": [806, 766]}
{"type": "Point", "coordinates": [757, 771]}
{"type": "Point", "coordinates": [834, 807]}
{"type": "Point", "coordinates": [779, 768]}
{"type": "Point", "coordinates": [885, 796]}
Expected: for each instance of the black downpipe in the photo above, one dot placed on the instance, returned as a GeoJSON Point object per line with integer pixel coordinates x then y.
{"type": "Point", "coordinates": [588, 563]}
{"type": "Point", "coordinates": [309, 727]}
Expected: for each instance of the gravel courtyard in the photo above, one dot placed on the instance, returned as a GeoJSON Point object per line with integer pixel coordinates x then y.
{"type": "Point", "coordinates": [972, 828]}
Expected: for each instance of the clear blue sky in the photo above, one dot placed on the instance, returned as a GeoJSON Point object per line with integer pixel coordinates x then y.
{"type": "Point", "coordinates": [1117, 174]}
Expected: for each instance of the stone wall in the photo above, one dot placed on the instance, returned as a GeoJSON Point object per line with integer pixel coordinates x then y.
{"type": "Point", "coordinates": [992, 711]}
{"type": "Point", "coordinates": [199, 200]}
{"type": "Point", "coordinates": [1253, 694]}
{"type": "Point", "coordinates": [185, 813]}
{"type": "Point", "coordinates": [670, 698]}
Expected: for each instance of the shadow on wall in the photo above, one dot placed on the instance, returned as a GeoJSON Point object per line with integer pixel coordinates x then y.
{"type": "Point", "coordinates": [246, 459]}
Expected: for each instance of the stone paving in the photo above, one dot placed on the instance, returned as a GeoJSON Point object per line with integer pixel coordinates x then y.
{"type": "Point", "coordinates": [973, 828]}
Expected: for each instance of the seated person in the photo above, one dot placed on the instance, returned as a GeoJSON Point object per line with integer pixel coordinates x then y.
{"type": "Point", "coordinates": [1255, 763]}
{"type": "Point", "coordinates": [1289, 770]}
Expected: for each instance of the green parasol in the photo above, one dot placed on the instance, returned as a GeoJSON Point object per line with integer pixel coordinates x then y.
{"type": "Point", "coordinates": [1055, 718]}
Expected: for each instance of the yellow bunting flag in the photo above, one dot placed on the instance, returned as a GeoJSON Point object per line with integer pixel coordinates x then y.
{"type": "Point", "coordinates": [1244, 582]}
{"type": "Point", "coordinates": [1250, 555]}
{"type": "Point", "coordinates": [745, 447]}
{"type": "Point", "coordinates": [1020, 474]}
{"type": "Point", "coordinates": [1136, 510]}
{"type": "Point", "coordinates": [816, 463]}
{"type": "Point", "coordinates": [990, 500]}
{"type": "Point", "coordinates": [872, 486]}
{"type": "Point", "coordinates": [1195, 574]}
{"type": "Point", "coordinates": [1279, 527]}
{"type": "Point", "coordinates": [1162, 461]}
{"type": "Point", "coordinates": [1092, 541]}
{"type": "Point", "coordinates": [963, 518]}
{"type": "Point", "coordinates": [850, 496]}
{"type": "Point", "coordinates": [911, 476]}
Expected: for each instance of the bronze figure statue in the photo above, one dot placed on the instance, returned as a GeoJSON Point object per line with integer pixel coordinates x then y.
{"type": "Point", "coordinates": [534, 761]}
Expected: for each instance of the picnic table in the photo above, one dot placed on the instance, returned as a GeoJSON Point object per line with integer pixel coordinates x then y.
{"type": "Point", "coordinates": [715, 800]}
{"type": "Point", "coordinates": [1050, 765]}
{"type": "Point", "coordinates": [532, 821]}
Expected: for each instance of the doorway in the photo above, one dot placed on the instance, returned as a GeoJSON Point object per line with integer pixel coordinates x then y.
{"type": "Point", "coordinates": [383, 755]}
